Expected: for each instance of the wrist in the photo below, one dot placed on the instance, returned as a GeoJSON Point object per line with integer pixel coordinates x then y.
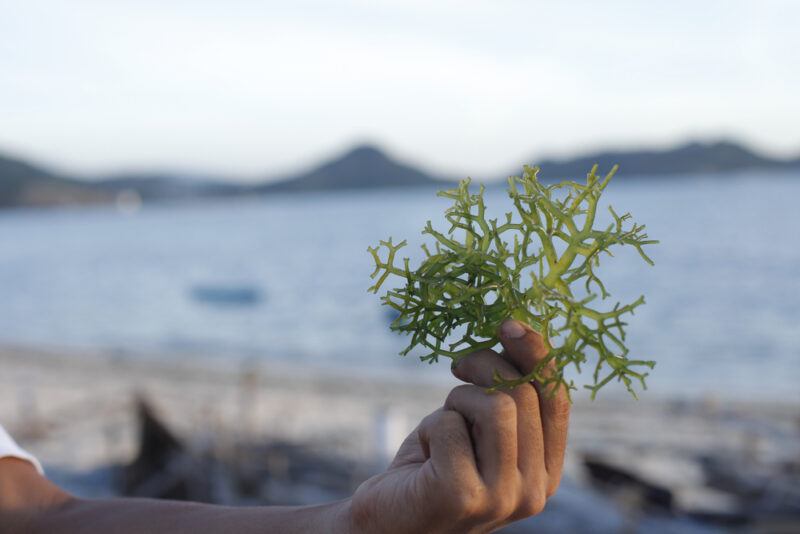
{"type": "Point", "coordinates": [333, 518]}
{"type": "Point", "coordinates": [339, 518]}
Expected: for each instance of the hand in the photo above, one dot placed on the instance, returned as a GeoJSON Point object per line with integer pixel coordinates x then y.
{"type": "Point", "coordinates": [480, 462]}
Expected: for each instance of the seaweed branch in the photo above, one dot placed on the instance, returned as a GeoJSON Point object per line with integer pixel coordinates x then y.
{"type": "Point", "coordinates": [481, 271]}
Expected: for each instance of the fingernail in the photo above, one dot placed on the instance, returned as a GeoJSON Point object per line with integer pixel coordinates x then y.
{"type": "Point", "coordinates": [512, 329]}
{"type": "Point", "coordinates": [455, 368]}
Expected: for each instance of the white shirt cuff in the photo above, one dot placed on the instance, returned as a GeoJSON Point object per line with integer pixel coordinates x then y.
{"type": "Point", "coordinates": [10, 449]}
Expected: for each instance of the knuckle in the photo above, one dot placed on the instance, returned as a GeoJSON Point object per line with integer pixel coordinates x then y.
{"type": "Point", "coordinates": [532, 505]}
{"type": "Point", "coordinates": [469, 502]}
{"type": "Point", "coordinates": [552, 487]}
{"type": "Point", "coordinates": [456, 393]}
{"type": "Point", "coordinates": [502, 406]}
{"type": "Point", "coordinates": [431, 419]}
{"type": "Point", "coordinates": [503, 507]}
{"type": "Point", "coordinates": [450, 419]}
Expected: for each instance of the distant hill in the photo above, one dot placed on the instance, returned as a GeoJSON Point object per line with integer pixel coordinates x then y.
{"type": "Point", "coordinates": [365, 166]}
{"type": "Point", "coordinates": [22, 183]}
{"type": "Point", "coordinates": [690, 158]}
{"type": "Point", "coordinates": [26, 184]}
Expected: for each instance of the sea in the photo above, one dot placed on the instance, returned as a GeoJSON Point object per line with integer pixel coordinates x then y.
{"type": "Point", "coordinates": [283, 279]}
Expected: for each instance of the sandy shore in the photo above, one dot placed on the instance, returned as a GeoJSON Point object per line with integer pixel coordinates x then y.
{"type": "Point", "coordinates": [75, 411]}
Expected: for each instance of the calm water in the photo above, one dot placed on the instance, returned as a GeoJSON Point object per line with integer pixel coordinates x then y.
{"type": "Point", "coordinates": [722, 314]}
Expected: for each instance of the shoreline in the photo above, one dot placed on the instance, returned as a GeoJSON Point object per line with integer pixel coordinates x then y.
{"type": "Point", "coordinates": [42, 389]}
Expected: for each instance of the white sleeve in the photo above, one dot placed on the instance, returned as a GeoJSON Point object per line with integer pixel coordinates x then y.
{"type": "Point", "coordinates": [10, 449]}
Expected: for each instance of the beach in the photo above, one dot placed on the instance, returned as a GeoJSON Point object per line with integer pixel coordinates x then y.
{"type": "Point", "coordinates": [655, 459]}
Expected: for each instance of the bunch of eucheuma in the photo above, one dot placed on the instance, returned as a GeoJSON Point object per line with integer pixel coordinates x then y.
{"type": "Point", "coordinates": [538, 265]}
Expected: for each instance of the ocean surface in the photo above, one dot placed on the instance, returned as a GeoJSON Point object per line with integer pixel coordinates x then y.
{"type": "Point", "coordinates": [285, 278]}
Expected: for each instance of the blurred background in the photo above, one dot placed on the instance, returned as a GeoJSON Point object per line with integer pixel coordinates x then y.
{"type": "Point", "coordinates": [188, 190]}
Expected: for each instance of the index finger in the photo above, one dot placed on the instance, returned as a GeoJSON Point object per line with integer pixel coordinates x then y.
{"type": "Point", "coordinates": [526, 349]}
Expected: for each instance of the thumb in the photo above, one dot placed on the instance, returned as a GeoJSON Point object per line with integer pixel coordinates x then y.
{"type": "Point", "coordinates": [524, 348]}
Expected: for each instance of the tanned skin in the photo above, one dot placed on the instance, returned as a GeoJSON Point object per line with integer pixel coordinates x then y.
{"type": "Point", "coordinates": [481, 461]}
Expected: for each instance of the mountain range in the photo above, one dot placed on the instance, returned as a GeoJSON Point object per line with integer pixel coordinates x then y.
{"type": "Point", "coordinates": [24, 183]}
{"type": "Point", "coordinates": [689, 158]}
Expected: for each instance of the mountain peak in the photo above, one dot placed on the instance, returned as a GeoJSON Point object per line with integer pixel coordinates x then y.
{"type": "Point", "coordinates": [365, 151]}
{"type": "Point", "coordinates": [364, 166]}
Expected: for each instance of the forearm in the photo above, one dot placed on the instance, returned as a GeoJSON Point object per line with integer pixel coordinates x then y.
{"type": "Point", "coordinates": [122, 516]}
{"type": "Point", "coordinates": [31, 503]}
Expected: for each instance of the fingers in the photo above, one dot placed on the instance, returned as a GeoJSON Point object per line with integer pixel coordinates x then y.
{"type": "Point", "coordinates": [479, 368]}
{"type": "Point", "coordinates": [482, 488]}
{"type": "Point", "coordinates": [525, 349]}
{"type": "Point", "coordinates": [519, 436]}
{"type": "Point", "coordinates": [446, 441]}
{"type": "Point", "coordinates": [493, 427]}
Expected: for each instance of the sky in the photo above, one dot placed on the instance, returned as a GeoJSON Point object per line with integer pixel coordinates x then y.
{"type": "Point", "coordinates": [250, 89]}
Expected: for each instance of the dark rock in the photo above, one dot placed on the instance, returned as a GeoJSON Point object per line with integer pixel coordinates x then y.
{"type": "Point", "coordinates": [616, 478]}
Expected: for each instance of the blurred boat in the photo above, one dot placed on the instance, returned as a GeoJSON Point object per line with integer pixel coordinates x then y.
{"type": "Point", "coordinates": [227, 295]}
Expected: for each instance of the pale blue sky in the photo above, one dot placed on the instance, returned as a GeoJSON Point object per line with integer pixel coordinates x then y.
{"type": "Point", "coordinates": [250, 88]}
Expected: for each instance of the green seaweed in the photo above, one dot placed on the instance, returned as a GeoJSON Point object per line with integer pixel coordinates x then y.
{"type": "Point", "coordinates": [528, 266]}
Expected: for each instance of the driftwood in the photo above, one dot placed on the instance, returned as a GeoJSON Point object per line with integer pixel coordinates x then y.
{"type": "Point", "coordinates": [163, 468]}
{"type": "Point", "coordinates": [268, 472]}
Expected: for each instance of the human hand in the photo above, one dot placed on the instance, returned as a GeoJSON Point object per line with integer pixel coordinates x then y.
{"type": "Point", "coordinates": [483, 460]}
